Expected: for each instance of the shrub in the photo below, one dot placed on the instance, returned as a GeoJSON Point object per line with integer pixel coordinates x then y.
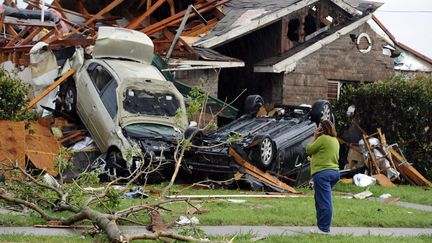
{"type": "Point", "coordinates": [13, 99]}
{"type": "Point", "coordinates": [401, 107]}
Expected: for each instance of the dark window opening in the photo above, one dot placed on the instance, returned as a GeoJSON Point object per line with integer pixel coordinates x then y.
{"type": "Point", "coordinates": [99, 75]}
{"type": "Point", "coordinates": [109, 98]}
{"type": "Point", "coordinates": [310, 24]}
{"type": "Point", "coordinates": [293, 30]}
{"type": "Point", "coordinates": [149, 103]}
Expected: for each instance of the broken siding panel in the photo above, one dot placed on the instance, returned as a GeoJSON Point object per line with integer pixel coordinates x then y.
{"type": "Point", "coordinates": [12, 144]}
{"type": "Point", "coordinates": [42, 148]}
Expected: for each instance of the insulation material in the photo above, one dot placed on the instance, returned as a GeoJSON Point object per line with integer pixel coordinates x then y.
{"type": "Point", "coordinates": [44, 70]}
{"type": "Point", "coordinates": [42, 148]}
{"type": "Point", "coordinates": [12, 144]}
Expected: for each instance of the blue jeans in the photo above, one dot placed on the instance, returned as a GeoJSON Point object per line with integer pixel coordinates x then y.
{"type": "Point", "coordinates": [324, 182]}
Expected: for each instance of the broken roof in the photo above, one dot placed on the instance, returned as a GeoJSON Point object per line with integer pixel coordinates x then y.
{"type": "Point", "coordinates": [245, 16]}
{"type": "Point", "coordinates": [288, 60]}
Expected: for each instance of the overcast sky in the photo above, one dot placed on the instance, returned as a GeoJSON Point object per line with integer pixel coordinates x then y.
{"type": "Point", "coordinates": [408, 20]}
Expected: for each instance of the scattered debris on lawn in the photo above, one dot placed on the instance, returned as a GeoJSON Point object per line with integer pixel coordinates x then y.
{"type": "Point", "coordinates": [363, 195]}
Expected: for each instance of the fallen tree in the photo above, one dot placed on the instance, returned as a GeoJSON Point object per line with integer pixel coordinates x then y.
{"type": "Point", "coordinates": [46, 197]}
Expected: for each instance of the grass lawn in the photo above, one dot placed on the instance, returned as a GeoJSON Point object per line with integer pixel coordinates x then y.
{"type": "Point", "coordinates": [297, 211]}
{"type": "Point", "coordinates": [406, 193]}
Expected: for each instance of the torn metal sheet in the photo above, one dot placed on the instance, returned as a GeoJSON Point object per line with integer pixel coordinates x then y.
{"type": "Point", "coordinates": [12, 144]}
{"type": "Point", "coordinates": [42, 148]}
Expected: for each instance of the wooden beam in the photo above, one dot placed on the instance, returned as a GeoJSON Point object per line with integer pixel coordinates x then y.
{"type": "Point", "coordinates": [18, 37]}
{"type": "Point", "coordinates": [170, 36]}
{"type": "Point", "coordinates": [10, 30]}
{"type": "Point", "coordinates": [50, 88]}
{"type": "Point", "coordinates": [172, 9]}
{"type": "Point", "coordinates": [257, 173]}
{"type": "Point", "coordinates": [105, 10]}
{"type": "Point", "coordinates": [82, 10]}
{"type": "Point", "coordinates": [136, 22]}
{"type": "Point", "coordinates": [59, 8]}
{"type": "Point", "coordinates": [177, 18]}
{"type": "Point", "coordinates": [2, 17]}
{"type": "Point", "coordinates": [202, 28]}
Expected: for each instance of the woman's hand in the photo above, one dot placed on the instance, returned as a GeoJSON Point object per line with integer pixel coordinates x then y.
{"type": "Point", "coordinates": [317, 133]}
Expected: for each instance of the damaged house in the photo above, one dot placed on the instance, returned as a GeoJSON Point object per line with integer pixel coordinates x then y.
{"type": "Point", "coordinates": [296, 51]}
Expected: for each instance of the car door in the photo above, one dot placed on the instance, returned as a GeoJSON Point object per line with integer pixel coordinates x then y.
{"type": "Point", "coordinates": [99, 102]}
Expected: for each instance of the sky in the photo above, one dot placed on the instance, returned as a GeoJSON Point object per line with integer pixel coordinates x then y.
{"type": "Point", "coordinates": [410, 21]}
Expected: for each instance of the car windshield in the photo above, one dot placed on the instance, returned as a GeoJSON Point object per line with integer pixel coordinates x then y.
{"type": "Point", "coordinates": [150, 103]}
{"type": "Point", "coordinates": [140, 130]}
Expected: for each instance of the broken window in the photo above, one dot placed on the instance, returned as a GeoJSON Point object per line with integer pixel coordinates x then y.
{"type": "Point", "coordinates": [310, 25]}
{"type": "Point", "coordinates": [109, 98]}
{"type": "Point", "coordinates": [149, 103]}
{"type": "Point", "coordinates": [99, 75]}
{"type": "Point", "coordinates": [293, 30]}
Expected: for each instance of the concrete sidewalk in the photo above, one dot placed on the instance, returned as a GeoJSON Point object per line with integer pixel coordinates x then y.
{"type": "Point", "coordinates": [258, 231]}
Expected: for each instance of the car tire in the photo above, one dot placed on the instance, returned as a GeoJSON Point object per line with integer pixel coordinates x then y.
{"type": "Point", "coordinates": [264, 153]}
{"type": "Point", "coordinates": [321, 110]}
{"type": "Point", "coordinates": [252, 104]}
{"type": "Point", "coordinates": [70, 99]}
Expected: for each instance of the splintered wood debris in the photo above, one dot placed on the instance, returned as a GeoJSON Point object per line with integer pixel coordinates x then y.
{"type": "Point", "coordinates": [69, 23]}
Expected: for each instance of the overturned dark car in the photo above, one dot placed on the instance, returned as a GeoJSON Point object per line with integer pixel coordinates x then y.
{"type": "Point", "coordinates": [273, 142]}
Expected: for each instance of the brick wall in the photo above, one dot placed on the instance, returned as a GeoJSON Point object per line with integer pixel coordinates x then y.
{"type": "Point", "coordinates": [340, 61]}
{"type": "Point", "coordinates": [207, 77]}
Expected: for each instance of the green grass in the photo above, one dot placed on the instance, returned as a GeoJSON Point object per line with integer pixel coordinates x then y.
{"type": "Point", "coordinates": [406, 193]}
{"type": "Point", "coordinates": [45, 239]}
{"type": "Point", "coordinates": [298, 211]}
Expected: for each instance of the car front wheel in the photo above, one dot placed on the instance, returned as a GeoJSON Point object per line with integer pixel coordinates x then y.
{"type": "Point", "coordinates": [70, 99]}
{"type": "Point", "coordinates": [264, 153]}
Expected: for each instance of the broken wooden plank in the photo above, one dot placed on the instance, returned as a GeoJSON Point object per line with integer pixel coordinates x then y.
{"type": "Point", "coordinates": [19, 36]}
{"type": "Point", "coordinates": [407, 170]}
{"type": "Point", "coordinates": [383, 180]}
{"type": "Point", "coordinates": [42, 148]}
{"type": "Point", "coordinates": [177, 18]}
{"type": "Point", "coordinates": [50, 88]}
{"type": "Point", "coordinates": [105, 10]}
{"type": "Point", "coordinates": [257, 173]}
{"type": "Point", "coordinates": [137, 21]}
{"type": "Point", "coordinates": [12, 145]}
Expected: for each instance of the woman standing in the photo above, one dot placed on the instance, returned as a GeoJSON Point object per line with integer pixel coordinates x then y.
{"type": "Point", "coordinates": [324, 150]}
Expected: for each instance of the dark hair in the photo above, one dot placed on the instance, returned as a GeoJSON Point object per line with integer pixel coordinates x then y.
{"type": "Point", "coordinates": [328, 128]}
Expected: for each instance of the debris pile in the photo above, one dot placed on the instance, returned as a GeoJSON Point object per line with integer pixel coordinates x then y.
{"type": "Point", "coordinates": [173, 25]}
{"type": "Point", "coordinates": [384, 163]}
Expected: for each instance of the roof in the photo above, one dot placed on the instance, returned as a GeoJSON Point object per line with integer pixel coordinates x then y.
{"type": "Point", "coordinates": [245, 16]}
{"type": "Point", "coordinates": [288, 60]}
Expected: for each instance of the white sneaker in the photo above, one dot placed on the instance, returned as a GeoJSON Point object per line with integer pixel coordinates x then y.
{"type": "Point", "coordinates": [318, 231]}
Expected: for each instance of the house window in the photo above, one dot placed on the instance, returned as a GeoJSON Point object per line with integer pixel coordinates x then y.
{"type": "Point", "coordinates": [293, 29]}
{"type": "Point", "coordinates": [333, 91]}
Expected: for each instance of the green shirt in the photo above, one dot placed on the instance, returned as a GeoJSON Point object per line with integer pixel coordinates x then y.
{"type": "Point", "coordinates": [325, 154]}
